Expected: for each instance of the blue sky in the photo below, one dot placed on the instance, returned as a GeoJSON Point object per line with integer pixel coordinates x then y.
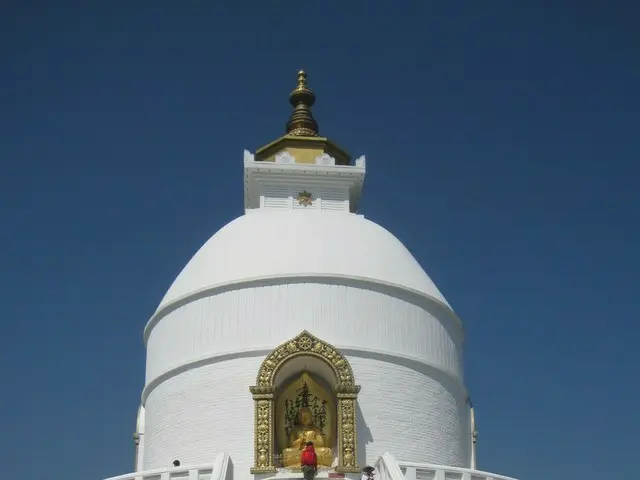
{"type": "Point", "coordinates": [502, 149]}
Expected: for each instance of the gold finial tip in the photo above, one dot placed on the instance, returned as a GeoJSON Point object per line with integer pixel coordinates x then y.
{"type": "Point", "coordinates": [301, 99]}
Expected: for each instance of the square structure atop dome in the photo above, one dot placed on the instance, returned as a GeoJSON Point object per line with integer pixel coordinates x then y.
{"type": "Point", "coordinates": [286, 184]}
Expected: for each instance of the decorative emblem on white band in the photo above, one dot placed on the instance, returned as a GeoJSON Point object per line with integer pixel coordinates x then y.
{"type": "Point", "coordinates": [305, 198]}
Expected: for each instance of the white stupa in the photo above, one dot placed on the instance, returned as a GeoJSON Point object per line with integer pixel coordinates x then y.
{"type": "Point", "coordinates": [303, 321]}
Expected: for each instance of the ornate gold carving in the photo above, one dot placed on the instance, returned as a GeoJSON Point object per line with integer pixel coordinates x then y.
{"type": "Point", "coordinates": [268, 390]}
{"type": "Point", "coordinates": [305, 199]}
{"type": "Point", "coordinates": [306, 344]}
{"type": "Point", "coordinates": [263, 394]}
{"type": "Point", "coordinates": [263, 436]}
{"type": "Point", "coordinates": [347, 435]}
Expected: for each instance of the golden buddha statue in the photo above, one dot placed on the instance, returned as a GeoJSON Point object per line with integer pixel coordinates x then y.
{"type": "Point", "coordinates": [305, 431]}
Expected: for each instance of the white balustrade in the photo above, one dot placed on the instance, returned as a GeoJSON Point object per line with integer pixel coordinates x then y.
{"type": "Point", "coordinates": [388, 468]}
{"type": "Point", "coordinates": [221, 469]}
{"type": "Point", "coordinates": [173, 473]}
{"type": "Point", "coordinates": [426, 471]}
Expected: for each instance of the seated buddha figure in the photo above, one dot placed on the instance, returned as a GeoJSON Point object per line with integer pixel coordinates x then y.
{"type": "Point", "coordinates": [305, 431]}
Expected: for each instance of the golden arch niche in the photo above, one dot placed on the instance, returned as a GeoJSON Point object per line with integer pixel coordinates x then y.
{"type": "Point", "coordinates": [305, 391]}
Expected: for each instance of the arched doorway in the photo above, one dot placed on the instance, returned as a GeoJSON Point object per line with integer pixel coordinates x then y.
{"type": "Point", "coordinates": [282, 368]}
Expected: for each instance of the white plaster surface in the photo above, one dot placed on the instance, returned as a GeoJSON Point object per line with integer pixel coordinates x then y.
{"type": "Point", "coordinates": [262, 317]}
{"type": "Point", "coordinates": [302, 242]}
{"type": "Point", "coordinates": [416, 412]}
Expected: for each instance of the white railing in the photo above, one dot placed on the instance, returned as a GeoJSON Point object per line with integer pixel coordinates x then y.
{"type": "Point", "coordinates": [388, 468]}
{"type": "Point", "coordinates": [391, 469]}
{"type": "Point", "coordinates": [221, 469]}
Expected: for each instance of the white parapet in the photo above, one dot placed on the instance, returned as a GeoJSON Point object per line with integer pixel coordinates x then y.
{"type": "Point", "coordinates": [414, 471]}
{"type": "Point", "coordinates": [221, 469]}
{"type": "Point", "coordinates": [388, 468]}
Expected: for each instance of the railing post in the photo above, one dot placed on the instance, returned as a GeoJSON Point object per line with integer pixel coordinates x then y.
{"type": "Point", "coordinates": [410, 473]}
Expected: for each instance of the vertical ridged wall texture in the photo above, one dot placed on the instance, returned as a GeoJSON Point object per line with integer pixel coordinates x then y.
{"type": "Point", "coordinates": [406, 355]}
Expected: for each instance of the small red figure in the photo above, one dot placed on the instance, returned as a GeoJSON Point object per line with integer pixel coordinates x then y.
{"type": "Point", "coordinates": [309, 461]}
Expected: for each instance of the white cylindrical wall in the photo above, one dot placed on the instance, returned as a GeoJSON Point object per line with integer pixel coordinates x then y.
{"type": "Point", "coordinates": [418, 414]}
{"type": "Point", "coordinates": [202, 412]}
{"type": "Point", "coordinates": [196, 415]}
{"type": "Point", "coordinates": [262, 317]}
{"type": "Point", "coordinates": [406, 355]}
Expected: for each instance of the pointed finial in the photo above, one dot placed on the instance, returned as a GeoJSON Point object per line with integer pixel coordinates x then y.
{"type": "Point", "coordinates": [302, 123]}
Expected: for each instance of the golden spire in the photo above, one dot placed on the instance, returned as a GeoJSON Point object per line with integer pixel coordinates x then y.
{"type": "Point", "coordinates": [302, 139]}
{"type": "Point", "coordinates": [302, 123]}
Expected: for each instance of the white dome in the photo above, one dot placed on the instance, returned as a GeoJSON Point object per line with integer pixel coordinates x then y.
{"type": "Point", "coordinates": [270, 244]}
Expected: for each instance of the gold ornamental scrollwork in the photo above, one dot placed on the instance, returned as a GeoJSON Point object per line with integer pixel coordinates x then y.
{"type": "Point", "coordinates": [306, 344]}
{"type": "Point", "coordinates": [264, 393]}
{"type": "Point", "coordinates": [347, 432]}
{"type": "Point", "coordinates": [263, 399]}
